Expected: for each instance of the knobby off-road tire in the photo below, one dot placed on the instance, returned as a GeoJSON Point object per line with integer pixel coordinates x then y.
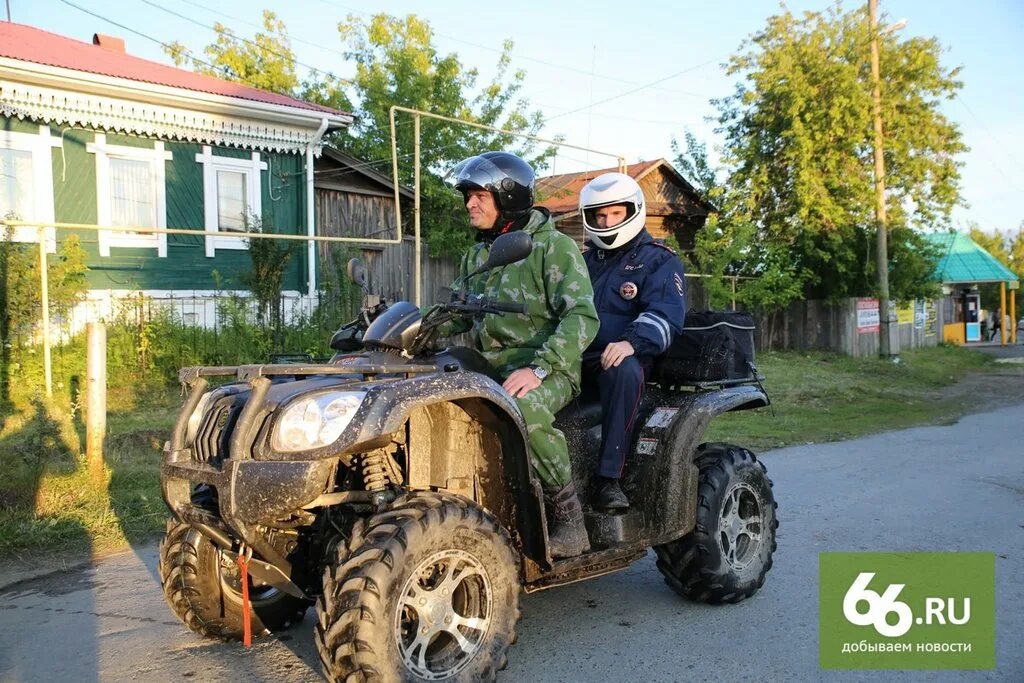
{"type": "Point", "coordinates": [204, 589]}
{"type": "Point", "coordinates": [432, 566]}
{"type": "Point", "coordinates": [729, 552]}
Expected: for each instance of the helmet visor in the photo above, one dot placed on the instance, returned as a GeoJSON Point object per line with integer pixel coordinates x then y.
{"type": "Point", "coordinates": [590, 216]}
{"type": "Point", "coordinates": [476, 173]}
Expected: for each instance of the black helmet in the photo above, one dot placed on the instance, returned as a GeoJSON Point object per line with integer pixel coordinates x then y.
{"type": "Point", "coordinates": [504, 174]}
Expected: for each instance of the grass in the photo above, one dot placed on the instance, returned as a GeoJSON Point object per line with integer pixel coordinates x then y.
{"type": "Point", "coordinates": [820, 397]}
{"type": "Point", "coordinates": [48, 501]}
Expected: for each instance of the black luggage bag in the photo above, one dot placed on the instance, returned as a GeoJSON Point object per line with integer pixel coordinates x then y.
{"type": "Point", "coordinates": [715, 346]}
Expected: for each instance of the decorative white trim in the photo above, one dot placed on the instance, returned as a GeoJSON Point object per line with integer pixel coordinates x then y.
{"type": "Point", "coordinates": [156, 156]}
{"type": "Point", "coordinates": [243, 124]}
{"type": "Point", "coordinates": [251, 168]}
{"type": "Point", "coordinates": [40, 146]}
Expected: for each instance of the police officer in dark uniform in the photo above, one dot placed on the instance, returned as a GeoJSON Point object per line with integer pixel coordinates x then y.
{"type": "Point", "coordinates": [640, 297]}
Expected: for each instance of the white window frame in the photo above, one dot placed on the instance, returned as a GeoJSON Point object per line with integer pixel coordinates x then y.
{"type": "Point", "coordinates": [40, 146]}
{"type": "Point", "coordinates": [252, 169]}
{"type": "Point", "coordinates": [156, 156]}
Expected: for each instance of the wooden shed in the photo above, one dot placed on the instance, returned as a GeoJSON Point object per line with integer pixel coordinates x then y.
{"type": "Point", "coordinates": [354, 199]}
{"type": "Point", "coordinates": [673, 205]}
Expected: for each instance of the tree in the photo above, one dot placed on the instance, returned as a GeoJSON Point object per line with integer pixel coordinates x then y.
{"type": "Point", "coordinates": [798, 146]}
{"type": "Point", "coordinates": [1016, 249]}
{"type": "Point", "coordinates": [397, 64]}
{"type": "Point", "coordinates": [693, 163]}
{"type": "Point", "coordinates": [995, 243]}
{"type": "Point", "coordinates": [265, 61]}
{"type": "Point", "coordinates": [725, 250]}
{"type": "Point", "coordinates": [1005, 247]}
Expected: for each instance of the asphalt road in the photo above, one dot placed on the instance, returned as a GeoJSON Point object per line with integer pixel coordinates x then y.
{"type": "Point", "coordinates": [958, 487]}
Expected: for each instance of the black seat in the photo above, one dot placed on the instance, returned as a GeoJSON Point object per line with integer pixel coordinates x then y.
{"type": "Point", "coordinates": [581, 413]}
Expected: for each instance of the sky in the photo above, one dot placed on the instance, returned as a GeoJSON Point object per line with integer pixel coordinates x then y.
{"type": "Point", "coordinates": [578, 54]}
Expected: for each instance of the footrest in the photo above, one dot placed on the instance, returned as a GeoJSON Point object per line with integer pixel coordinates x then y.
{"type": "Point", "coordinates": [606, 530]}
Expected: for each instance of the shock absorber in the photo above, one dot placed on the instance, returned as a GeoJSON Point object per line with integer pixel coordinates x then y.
{"type": "Point", "coordinates": [375, 470]}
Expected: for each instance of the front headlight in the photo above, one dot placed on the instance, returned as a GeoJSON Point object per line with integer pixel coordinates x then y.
{"type": "Point", "coordinates": [315, 421]}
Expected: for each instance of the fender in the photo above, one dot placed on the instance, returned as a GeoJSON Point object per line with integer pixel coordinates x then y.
{"type": "Point", "coordinates": [388, 407]}
{"type": "Point", "coordinates": [661, 467]}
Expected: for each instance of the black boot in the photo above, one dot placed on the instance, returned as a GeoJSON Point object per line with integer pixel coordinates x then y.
{"type": "Point", "coordinates": [567, 534]}
{"type": "Point", "coordinates": [610, 496]}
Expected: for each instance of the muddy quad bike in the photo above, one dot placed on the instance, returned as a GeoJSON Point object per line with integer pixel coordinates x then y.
{"type": "Point", "coordinates": [392, 487]}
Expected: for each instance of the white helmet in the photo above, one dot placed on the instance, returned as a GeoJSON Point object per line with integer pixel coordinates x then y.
{"type": "Point", "coordinates": [607, 190]}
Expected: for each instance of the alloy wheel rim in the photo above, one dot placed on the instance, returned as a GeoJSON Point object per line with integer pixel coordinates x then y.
{"type": "Point", "coordinates": [741, 526]}
{"type": "Point", "coordinates": [443, 614]}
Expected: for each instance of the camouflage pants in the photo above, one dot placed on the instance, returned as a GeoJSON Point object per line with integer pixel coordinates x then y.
{"type": "Point", "coordinates": [549, 453]}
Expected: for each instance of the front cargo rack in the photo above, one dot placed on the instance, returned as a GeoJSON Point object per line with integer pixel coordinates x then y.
{"type": "Point", "coordinates": [247, 373]}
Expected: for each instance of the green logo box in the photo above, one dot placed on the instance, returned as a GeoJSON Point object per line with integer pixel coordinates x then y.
{"type": "Point", "coordinates": [907, 610]}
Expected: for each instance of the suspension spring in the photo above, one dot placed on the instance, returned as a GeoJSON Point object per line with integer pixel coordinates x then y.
{"type": "Point", "coordinates": [375, 471]}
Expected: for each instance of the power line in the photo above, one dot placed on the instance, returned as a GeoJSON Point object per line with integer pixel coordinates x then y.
{"type": "Point", "coordinates": [618, 117]}
{"type": "Point", "coordinates": [988, 132]}
{"type": "Point", "coordinates": [260, 27]}
{"type": "Point", "coordinates": [525, 58]}
{"type": "Point", "coordinates": [367, 164]}
{"type": "Point", "coordinates": [226, 71]}
{"type": "Point", "coordinates": [630, 92]}
{"type": "Point", "coordinates": [227, 33]}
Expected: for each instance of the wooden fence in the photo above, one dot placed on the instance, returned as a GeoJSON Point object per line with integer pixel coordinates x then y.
{"type": "Point", "coordinates": [840, 327]}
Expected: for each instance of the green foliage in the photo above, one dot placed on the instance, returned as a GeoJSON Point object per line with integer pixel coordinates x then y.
{"type": "Point", "coordinates": [693, 163]}
{"type": "Point", "coordinates": [20, 284]}
{"type": "Point", "coordinates": [398, 64]}
{"type": "Point", "coordinates": [1006, 247]}
{"type": "Point", "coordinates": [912, 266]}
{"type": "Point", "coordinates": [265, 61]}
{"type": "Point", "coordinates": [726, 250]}
{"type": "Point", "coordinates": [799, 139]}
{"type": "Point", "coordinates": [269, 263]}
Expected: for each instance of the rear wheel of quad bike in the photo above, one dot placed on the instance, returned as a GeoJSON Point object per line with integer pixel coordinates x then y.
{"type": "Point", "coordinates": [203, 587]}
{"type": "Point", "coordinates": [726, 556]}
{"type": "Point", "coordinates": [426, 591]}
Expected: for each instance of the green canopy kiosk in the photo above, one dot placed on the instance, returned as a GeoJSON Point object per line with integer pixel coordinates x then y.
{"type": "Point", "coordinates": [962, 266]}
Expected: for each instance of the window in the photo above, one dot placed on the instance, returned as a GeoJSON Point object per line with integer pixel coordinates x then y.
{"type": "Point", "coordinates": [231, 203]}
{"type": "Point", "coordinates": [16, 196]}
{"type": "Point", "coordinates": [26, 181]}
{"type": "Point", "coordinates": [130, 192]}
{"type": "Point", "coordinates": [231, 191]}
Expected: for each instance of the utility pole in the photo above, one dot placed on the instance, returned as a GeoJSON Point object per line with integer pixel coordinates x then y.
{"type": "Point", "coordinates": [882, 262]}
{"type": "Point", "coordinates": [8, 2]}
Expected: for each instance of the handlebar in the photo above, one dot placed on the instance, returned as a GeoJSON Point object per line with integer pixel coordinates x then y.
{"type": "Point", "coordinates": [480, 306]}
{"type": "Point", "coordinates": [506, 307]}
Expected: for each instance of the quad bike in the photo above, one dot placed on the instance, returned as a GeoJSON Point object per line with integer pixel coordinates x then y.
{"type": "Point", "coordinates": [392, 487]}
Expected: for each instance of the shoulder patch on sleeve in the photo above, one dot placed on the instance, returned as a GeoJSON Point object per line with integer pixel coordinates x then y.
{"type": "Point", "coordinates": [659, 243]}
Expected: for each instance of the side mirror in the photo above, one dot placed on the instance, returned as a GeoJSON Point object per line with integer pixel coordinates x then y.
{"type": "Point", "coordinates": [356, 272]}
{"type": "Point", "coordinates": [509, 248]}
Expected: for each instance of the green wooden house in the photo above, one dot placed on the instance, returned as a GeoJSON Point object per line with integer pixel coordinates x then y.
{"type": "Point", "coordinates": [91, 135]}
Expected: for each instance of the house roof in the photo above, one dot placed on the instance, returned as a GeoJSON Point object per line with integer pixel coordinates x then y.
{"type": "Point", "coordinates": [30, 44]}
{"type": "Point", "coordinates": [964, 260]}
{"type": "Point", "coordinates": [560, 193]}
{"type": "Point", "coordinates": [358, 166]}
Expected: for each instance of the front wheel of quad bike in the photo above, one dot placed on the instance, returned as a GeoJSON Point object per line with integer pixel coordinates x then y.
{"type": "Point", "coordinates": [726, 556]}
{"type": "Point", "coordinates": [426, 591]}
{"type": "Point", "coordinates": [203, 587]}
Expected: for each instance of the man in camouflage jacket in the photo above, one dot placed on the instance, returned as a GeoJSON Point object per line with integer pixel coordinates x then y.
{"type": "Point", "coordinates": [537, 353]}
